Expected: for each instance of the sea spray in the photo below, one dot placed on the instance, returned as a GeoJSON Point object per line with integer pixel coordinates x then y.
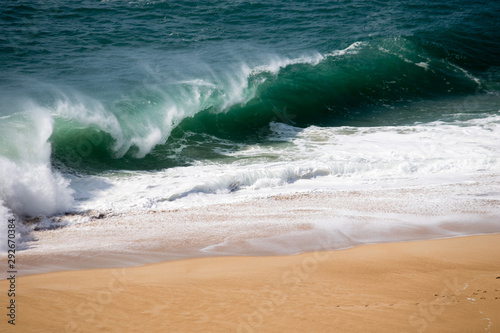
{"type": "Point", "coordinates": [28, 184]}
{"type": "Point", "coordinates": [138, 130]}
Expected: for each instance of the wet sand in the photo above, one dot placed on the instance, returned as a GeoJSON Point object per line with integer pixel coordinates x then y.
{"type": "Point", "coordinates": [278, 225]}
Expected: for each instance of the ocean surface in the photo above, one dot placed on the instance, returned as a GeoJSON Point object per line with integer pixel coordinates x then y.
{"type": "Point", "coordinates": [118, 106]}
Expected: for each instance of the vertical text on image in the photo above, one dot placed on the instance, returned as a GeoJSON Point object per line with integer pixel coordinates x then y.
{"type": "Point", "coordinates": [11, 272]}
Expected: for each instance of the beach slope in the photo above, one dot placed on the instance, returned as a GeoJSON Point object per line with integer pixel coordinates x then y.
{"type": "Point", "coordinates": [447, 285]}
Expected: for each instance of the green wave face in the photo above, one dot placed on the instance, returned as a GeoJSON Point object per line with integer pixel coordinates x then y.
{"type": "Point", "coordinates": [358, 86]}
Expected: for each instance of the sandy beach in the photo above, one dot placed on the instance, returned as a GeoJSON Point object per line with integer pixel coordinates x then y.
{"type": "Point", "coordinates": [447, 285]}
{"type": "Point", "coordinates": [249, 166]}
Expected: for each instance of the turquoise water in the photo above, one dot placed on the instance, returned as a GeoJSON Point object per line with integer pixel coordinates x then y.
{"type": "Point", "coordinates": [95, 88]}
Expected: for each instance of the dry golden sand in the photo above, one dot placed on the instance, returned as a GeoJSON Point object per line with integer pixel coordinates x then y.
{"type": "Point", "coordinates": [450, 285]}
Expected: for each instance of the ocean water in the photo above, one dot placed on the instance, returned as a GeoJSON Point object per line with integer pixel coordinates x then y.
{"type": "Point", "coordinates": [113, 106]}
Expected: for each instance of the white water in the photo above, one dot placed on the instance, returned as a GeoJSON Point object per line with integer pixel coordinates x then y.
{"type": "Point", "coordinates": [28, 185]}
{"type": "Point", "coordinates": [313, 158]}
{"type": "Point", "coordinates": [333, 188]}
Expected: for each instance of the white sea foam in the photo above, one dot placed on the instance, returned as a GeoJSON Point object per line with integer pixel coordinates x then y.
{"type": "Point", "coordinates": [323, 158]}
{"type": "Point", "coordinates": [28, 185]}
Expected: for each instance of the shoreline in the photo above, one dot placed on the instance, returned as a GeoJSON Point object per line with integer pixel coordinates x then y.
{"type": "Point", "coordinates": [423, 286]}
{"type": "Point", "coordinates": [285, 224]}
